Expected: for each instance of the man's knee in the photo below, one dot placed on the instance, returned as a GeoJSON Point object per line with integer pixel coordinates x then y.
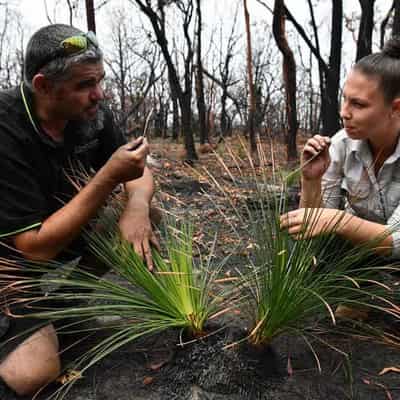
{"type": "Point", "coordinates": [33, 364]}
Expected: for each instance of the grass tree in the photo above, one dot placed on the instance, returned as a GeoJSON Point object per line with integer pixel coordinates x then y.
{"type": "Point", "coordinates": [180, 293]}
{"type": "Point", "coordinates": [289, 284]}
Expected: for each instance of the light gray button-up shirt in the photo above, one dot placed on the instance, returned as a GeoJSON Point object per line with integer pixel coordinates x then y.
{"type": "Point", "coordinates": [350, 179]}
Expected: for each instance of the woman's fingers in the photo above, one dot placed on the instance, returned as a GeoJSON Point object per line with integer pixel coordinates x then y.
{"type": "Point", "coordinates": [290, 219]}
{"type": "Point", "coordinates": [316, 145]}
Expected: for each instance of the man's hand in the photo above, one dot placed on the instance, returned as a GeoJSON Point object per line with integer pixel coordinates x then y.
{"type": "Point", "coordinates": [135, 227]}
{"type": "Point", "coordinates": [127, 162]}
{"type": "Point", "coordinates": [315, 158]}
{"type": "Point", "coordinates": [310, 222]}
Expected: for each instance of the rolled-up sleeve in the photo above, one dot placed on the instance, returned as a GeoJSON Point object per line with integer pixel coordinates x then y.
{"type": "Point", "coordinates": [393, 225]}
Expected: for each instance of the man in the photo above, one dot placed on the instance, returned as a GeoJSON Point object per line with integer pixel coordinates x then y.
{"type": "Point", "coordinates": [52, 125]}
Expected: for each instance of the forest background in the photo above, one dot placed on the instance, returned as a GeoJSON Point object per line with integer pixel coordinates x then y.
{"type": "Point", "coordinates": [208, 68]}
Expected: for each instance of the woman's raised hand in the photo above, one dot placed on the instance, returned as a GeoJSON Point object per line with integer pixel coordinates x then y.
{"type": "Point", "coordinates": [315, 157]}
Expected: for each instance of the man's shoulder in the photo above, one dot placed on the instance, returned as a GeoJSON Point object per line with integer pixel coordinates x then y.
{"type": "Point", "coordinates": [10, 100]}
{"type": "Point", "coordinates": [12, 126]}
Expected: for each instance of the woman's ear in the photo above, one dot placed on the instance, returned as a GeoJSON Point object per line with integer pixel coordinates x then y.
{"type": "Point", "coordinates": [40, 84]}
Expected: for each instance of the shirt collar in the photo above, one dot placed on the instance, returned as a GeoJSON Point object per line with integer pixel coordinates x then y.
{"type": "Point", "coordinates": [396, 154]}
{"type": "Point", "coordinates": [362, 150]}
{"type": "Point", "coordinates": [32, 117]}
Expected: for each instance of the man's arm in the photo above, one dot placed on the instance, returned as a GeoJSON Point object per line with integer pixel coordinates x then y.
{"type": "Point", "coordinates": [60, 228]}
{"type": "Point", "coordinates": [135, 223]}
{"type": "Point", "coordinates": [140, 191]}
{"type": "Point", "coordinates": [311, 193]}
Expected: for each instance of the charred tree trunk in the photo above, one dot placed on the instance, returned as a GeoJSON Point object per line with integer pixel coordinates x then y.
{"type": "Point", "coordinates": [90, 16]}
{"type": "Point", "coordinates": [201, 106]}
{"type": "Point", "coordinates": [289, 77]}
{"type": "Point", "coordinates": [224, 117]}
{"type": "Point", "coordinates": [252, 100]}
{"type": "Point", "coordinates": [385, 22]}
{"type": "Point", "coordinates": [364, 40]}
{"type": "Point", "coordinates": [183, 95]}
{"type": "Point", "coordinates": [175, 119]}
{"type": "Point", "coordinates": [396, 19]}
{"type": "Point", "coordinates": [329, 72]}
{"type": "Point", "coordinates": [187, 127]}
{"type": "Point", "coordinates": [331, 117]}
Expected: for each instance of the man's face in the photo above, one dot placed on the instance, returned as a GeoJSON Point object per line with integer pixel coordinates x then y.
{"type": "Point", "coordinates": [78, 97]}
{"type": "Point", "coordinates": [364, 112]}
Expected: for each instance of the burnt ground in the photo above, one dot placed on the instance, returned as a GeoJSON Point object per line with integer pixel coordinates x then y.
{"type": "Point", "coordinates": [159, 368]}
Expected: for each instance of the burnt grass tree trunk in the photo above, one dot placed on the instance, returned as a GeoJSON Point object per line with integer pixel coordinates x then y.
{"type": "Point", "coordinates": [364, 40]}
{"type": "Point", "coordinates": [289, 77]}
{"type": "Point", "coordinates": [201, 107]}
{"type": "Point", "coordinates": [252, 103]}
{"type": "Point", "coordinates": [90, 16]}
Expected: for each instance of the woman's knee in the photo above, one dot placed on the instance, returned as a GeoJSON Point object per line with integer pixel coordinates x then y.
{"type": "Point", "coordinates": [33, 364]}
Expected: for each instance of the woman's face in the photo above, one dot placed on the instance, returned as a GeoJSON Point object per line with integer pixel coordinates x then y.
{"type": "Point", "coordinates": [364, 112]}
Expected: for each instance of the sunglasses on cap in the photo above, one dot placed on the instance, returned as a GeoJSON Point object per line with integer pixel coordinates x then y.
{"type": "Point", "coordinates": [72, 45]}
{"type": "Point", "coordinates": [79, 43]}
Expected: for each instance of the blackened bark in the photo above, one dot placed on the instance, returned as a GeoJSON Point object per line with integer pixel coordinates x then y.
{"type": "Point", "coordinates": [175, 119]}
{"type": "Point", "coordinates": [332, 118]}
{"type": "Point", "coordinates": [329, 73]}
{"type": "Point", "coordinates": [252, 102]}
{"type": "Point", "coordinates": [201, 107]}
{"type": "Point", "coordinates": [187, 127]}
{"type": "Point", "coordinates": [183, 95]}
{"type": "Point", "coordinates": [289, 77]}
{"type": "Point", "coordinates": [396, 19]}
{"type": "Point", "coordinates": [364, 40]}
{"type": "Point", "coordinates": [385, 22]}
{"type": "Point", "coordinates": [90, 16]}
{"type": "Point", "coordinates": [224, 117]}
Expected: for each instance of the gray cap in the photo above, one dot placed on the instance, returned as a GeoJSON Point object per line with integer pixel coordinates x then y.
{"type": "Point", "coordinates": [45, 46]}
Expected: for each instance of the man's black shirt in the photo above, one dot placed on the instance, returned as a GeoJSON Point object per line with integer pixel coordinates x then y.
{"type": "Point", "coordinates": [35, 171]}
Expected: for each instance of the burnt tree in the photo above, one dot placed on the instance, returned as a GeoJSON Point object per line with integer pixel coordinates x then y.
{"type": "Point", "coordinates": [396, 19]}
{"type": "Point", "coordinates": [157, 18]}
{"type": "Point", "coordinates": [385, 22]}
{"type": "Point", "coordinates": [364, 40]}
{"type": "Point", "coordinates": [90, 16]}
{"type": "Point", "coordinates": [329, 72]}
{"type": "Point", "coordinates": [201, 106]}
{"type": "Point", "coordinates": [252, 102]}
{"type": "Point", "coordinates": [225, 78]}
{"type": "Point", "coordinates": [289, 77]}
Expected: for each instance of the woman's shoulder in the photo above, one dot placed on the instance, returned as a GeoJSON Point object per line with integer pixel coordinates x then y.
{"type": "Point", "coordinates": [342, 141]}
{"type": "Point", "coordinates": [342, 146]}
{"type": "Point", "coordinates": [340, 137]}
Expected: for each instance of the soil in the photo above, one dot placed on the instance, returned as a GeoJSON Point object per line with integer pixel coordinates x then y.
{"type": "Point", "coordinates": [160, 368]}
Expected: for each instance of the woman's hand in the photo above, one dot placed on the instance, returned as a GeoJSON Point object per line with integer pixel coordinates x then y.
{"type": "Point", "coordinates": [309, 222]}
{"type": "Point", "coordinates": [315, 157]}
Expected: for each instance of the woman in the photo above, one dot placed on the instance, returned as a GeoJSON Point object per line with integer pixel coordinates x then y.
{"type": "Point", "coordinates": [360, 165]}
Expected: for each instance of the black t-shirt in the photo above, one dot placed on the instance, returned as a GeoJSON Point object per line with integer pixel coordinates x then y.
{"type": "Point", "coordinates": [34, 169]}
